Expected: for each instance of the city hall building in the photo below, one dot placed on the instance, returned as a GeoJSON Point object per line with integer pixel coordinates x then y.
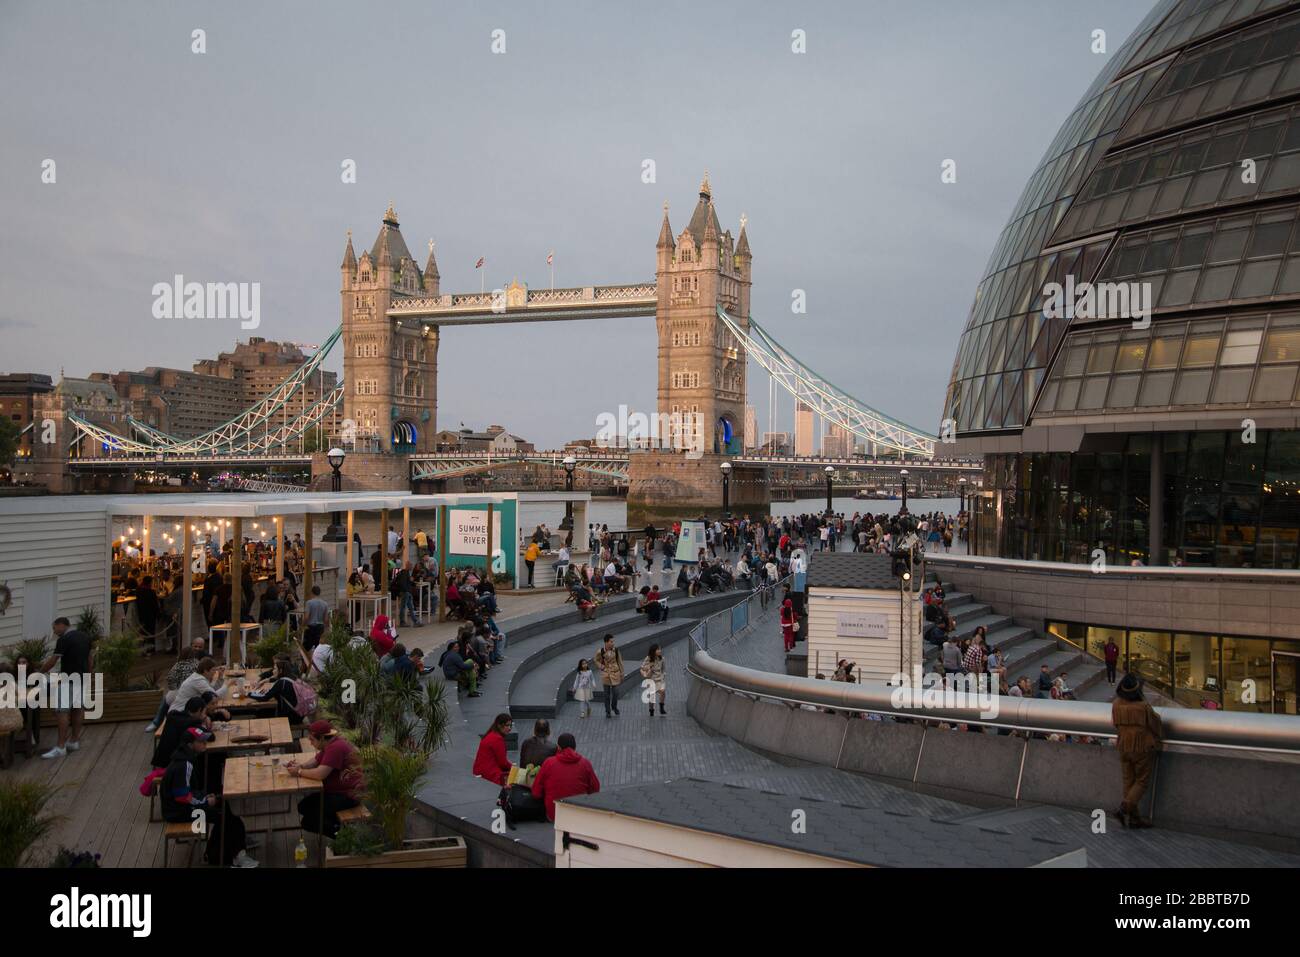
{"type": "Point", "coordinates": [1130, 368]}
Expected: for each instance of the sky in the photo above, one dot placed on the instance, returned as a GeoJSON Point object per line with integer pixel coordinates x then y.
{"type": "Point", "coordinates": [226, 166]}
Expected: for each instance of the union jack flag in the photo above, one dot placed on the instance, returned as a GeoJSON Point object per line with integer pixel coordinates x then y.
{"type": "Point", "coordinates": [481, 261]}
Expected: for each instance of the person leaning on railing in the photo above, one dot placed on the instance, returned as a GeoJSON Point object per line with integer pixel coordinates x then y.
{"type": "Point", "coordinates": [1140, 737]}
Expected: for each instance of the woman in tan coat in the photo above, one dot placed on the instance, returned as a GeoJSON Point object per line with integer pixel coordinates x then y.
{"type": "Point", "coordinates": [1140, 736]}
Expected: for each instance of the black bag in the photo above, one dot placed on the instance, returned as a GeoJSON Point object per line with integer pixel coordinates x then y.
{"type": "Point", "coordinates": [520, 805]}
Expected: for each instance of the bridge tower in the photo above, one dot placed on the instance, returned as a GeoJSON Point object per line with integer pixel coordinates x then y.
{"type": "Point", "coordinates": [701, 376]}
{"type": "Point", "coordinates": [390, 370]}
{"type": "Point", "coordinates": [701, 364]}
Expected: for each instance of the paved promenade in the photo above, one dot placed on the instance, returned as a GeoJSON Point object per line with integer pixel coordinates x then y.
{"type": "Point", "coordinates": [634, 749]}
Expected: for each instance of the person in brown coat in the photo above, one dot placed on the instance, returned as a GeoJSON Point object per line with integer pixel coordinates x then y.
{"type": "Point", "coordinates": [1140, 735]}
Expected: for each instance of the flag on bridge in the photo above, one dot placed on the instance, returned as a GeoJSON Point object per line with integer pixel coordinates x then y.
{"type": "Point", "coordinates": [550, 257]}
{"type": "Point", "coordinates": [481, 261]}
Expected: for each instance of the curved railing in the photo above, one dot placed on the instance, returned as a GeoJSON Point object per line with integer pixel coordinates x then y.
{"type": "Point", "coordinates": [1215, 729]}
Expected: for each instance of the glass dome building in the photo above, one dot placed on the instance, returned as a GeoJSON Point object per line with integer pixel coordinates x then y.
{"type": "Point", "coordinates": [1130, 369]}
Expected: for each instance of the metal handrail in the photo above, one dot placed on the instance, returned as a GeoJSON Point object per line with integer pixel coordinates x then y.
{"type": "Point", "coordinates": [1183, 726]}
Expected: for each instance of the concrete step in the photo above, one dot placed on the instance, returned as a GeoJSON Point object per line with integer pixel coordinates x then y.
{"type": "Point", "coordinates": [991, 622]}
{"type": "Point", "coordinates": [968, 611]}
{"type": "Point", "coordinates": [545, 688]}
{"type": "Point", "coordinates": [955, 599]}
{"type": "Point", "coordinates": [534, 689]}
{"type": "Point", "coordinates": [1058, 660]}
{"type": "Point", "coordinates": [1008, 637]}
{"type": "Point", "coordinates": [1025, 656]}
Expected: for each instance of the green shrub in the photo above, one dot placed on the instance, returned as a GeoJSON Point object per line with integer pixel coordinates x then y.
{"type": "Point", "coordinates": [35, 650]}
{"type": "Point", "coordinates": [358, 840]}
{"type": "Point", "coordinates": [274, 641]}
{"type": "Point", "coordinates": [115, 656]}
{"type": "Point", "coordinates": [89, 624]}
{"type": "Point", "coordinates": [23, 819]}
{"type": "Point", "coordinates": [392, 778]}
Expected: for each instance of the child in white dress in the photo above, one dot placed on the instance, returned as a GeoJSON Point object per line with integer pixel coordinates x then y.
{"type": "Point", "coordinates": [584, 685]}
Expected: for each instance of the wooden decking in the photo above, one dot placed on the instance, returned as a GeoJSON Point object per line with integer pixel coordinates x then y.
{"type": "Point", "coordinates": [103, 811]}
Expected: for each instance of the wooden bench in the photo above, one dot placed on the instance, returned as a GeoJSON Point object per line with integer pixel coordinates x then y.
{"type": "Point", "coordinates": [353, 814]}
{"type": "Point", "coordinates": [181, 833]}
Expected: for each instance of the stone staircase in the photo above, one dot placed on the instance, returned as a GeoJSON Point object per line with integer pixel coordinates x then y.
{"type": "Point", "coordinates": [1024, 650]}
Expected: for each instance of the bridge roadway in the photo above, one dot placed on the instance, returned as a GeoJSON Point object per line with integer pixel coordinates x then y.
{"type": "Point", "coordinates": [518, 303]}
{"type": "Point", "coordinates": [635, 749]}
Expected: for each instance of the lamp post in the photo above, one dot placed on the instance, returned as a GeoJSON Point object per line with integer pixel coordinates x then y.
{"type": "Point", "coordinates": [726, 489]}
{"type": "Point", "coordinates": [830, 475]}
{"type": "Point", "coordinates": [961, 492]}
{"type": "Point", "coordinates": [335, 533]}
{"type": "Point", "coordinates": [903, 475]}
{"type": "Point", "coordinates": [569, 463]}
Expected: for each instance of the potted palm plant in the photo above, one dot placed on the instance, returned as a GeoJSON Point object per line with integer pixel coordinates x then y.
{"type": "Point", "coordinates": [393, 776]}
{"type": "Point", "coordinates": [398, 723]}
{"type": "Point", "coordinates": [127, 698]}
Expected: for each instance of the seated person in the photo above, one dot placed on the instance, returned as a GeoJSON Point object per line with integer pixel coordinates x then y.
{"type": "Point", "coordinates": [281, 689]}
{"type": "Point", "coordinates": [642, 599]}
{"type": "Point", "coordinates": [456, 668]}
{"type": "Point", "coordinates": [656, 606]}
{"type": "Point", "coordinates": [336, 764]}
{"type": "Point", "coordinates": [382, 635]}
{"type": "Point", "coordinates": [585, 601]}
{"type": "Point", "coordinates": [684, 580]}
{"type": "Point", "coordinates": [417, 662]}
{"type": "Point", "coordinates": [180, 799]}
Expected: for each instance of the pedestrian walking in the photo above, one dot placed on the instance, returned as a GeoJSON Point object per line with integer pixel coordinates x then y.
{"type": "Point", "coordinates": [609, 662]}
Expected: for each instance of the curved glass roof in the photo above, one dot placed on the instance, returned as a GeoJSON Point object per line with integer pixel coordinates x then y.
{"type": "Point", "coordinates": [1160, 133]}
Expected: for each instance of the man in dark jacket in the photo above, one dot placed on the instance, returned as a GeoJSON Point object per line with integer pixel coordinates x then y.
{"type": "Point", "coordinates": [456, 668]}
{"type": "Point", "coordinates": [1140, 734]}
{"type": "Point", "coordinates": [564, 775]}
{"type": "Point", "coordinates": [184, 803]}
{"type": "Point", "coordinates": [539, 747]}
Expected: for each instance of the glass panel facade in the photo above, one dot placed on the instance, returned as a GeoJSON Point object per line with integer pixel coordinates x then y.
{"type": "Point", "coordinates": [1251, 66]}
{"type": "Point", "coordinates": [1008, 300]}
{"type": "Point", "coordinates": [1236, 673]}
{"type": "Point", "coordinates": [1245, 361]}
{"type": "Point", "coordinates": [1206, 167]}
{"type": "Point", "coordinates": [1227, 503]}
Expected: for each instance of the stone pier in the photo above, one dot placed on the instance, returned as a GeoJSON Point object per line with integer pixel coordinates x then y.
{"type": "Point", "coordinates": [668, 485]}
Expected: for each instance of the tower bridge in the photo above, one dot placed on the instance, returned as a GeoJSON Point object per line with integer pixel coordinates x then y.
{"type": "Point", "coordinates": [393, 313]}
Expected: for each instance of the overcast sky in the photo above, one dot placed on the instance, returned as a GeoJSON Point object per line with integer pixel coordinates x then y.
{"type": "Point", "coordinates": [225, 166]}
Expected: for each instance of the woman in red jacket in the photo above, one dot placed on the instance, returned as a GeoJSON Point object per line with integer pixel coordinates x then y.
{"type": "Point", "coordinates": [491, 763]}
{"type": "Point", "coordinates": [787, 623]}
{"type": "Point", "coordinates": [382, 637]}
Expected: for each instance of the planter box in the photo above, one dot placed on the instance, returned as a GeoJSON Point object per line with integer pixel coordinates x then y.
{"type": "Point", "coordinates": [419, 852]}
{"type": "Point", "coordinates": [118, 706]}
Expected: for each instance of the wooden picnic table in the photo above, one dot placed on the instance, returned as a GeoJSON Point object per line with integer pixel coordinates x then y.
{"type": "Point", "coordinates": [243, 702]}
{"type": "Point", "coordinates": [278, 733]}
{"type": "Point", "coordinates": [255, 776]}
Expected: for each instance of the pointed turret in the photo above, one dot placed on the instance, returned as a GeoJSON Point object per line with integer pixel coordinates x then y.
{"type": "Point", "coordinates": [704, 217]}
{"type": "Point", "coordinates": [389, 248]}
{"type": "Point", "coordinates": [349, 256]}
{"type": "Point", "coordinates": [742, 244]}
{"type": "Point", "coordinates": [710, 223]}
{"type": "Point", "coordinates": [666, 232]}
{"type": "Point", "coordinates": [431, 276]}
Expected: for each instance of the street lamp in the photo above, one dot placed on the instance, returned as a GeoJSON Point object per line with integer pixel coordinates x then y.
{"type": "Point", "coordinates": [903, 475]}
{"type": "Point", "coordinates": [336, 532]}
{"type": "Point", "coordinates": [568, 463]}
{"type": "Point", "coordinates": [726, 489]}
{"type": "Point", "coordinates": [961, 492]}
{"type": "Point", "coordinates": [830, 474]}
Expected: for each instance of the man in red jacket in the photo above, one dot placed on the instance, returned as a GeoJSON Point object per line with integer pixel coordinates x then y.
{"type": "Point", "coordinates": [564, 775]}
